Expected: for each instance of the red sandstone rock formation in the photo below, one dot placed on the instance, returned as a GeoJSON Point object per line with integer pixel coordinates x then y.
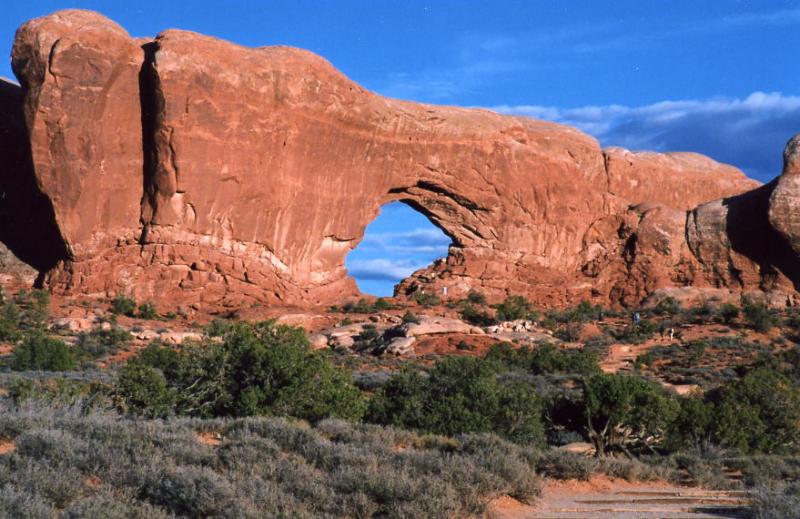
{"type": "Point", "coordinates": [192, 168]}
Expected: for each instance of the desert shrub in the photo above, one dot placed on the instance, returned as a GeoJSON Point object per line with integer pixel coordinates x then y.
{"type": "Point", "coordinates": [257, 369]}
{"type": "Point", "coordinates": [122, 305]}
{"type": "Point", "coordinates": [426, 299]}
{"type": "Point", "coordinates": [758, 316]}
{"type": "Point", "coordinates": [362, 306]}
{"type": "Point", "coordinates": [459, 395]}
{"type": "Point", "coordinates": [10, 322]}
{"type": "Point", "coordinates": [776, 502]}
{"type": "Point", "coordinates": [582, 312]}
{"type": "Point", "coordinates": [99, 465]}
{"type": "Point", "coordinates": [218, 327]}
{"type": "Point", "coordinates": [626, 413]}
{"type": "Point", "coordinates": [515, 307]}
{"type": "Point", "coordinates": [475, 316]}
{"type": "Point", "coordinates": [667, 306]}
{"type": "Point", "coordinates": [57, 391]}
{"type": "Point", "coordinates": [143, 390]}
{"type": "Point", "coordinates": [558, 464]}
{"type": "Point", "coordinates": [381, 304]}
{"type": "Point", "coordinates": [758, 413]}
{"type": "Point", "coordinates": [147, 311]}
{"type": "Point", "coordinates": [571, 332]}
{"type": "Point", "coordinates": [692, 426]}
{"type": "Point", "coordinates": [635, 333]}
{"type": "Point", "coordinates": [476, 297]}
{"type": "Point", "coordinates": [699, 314]}
{"type": "Point", "coordinates": [110, 506]}
{"type": "Point", "coordinates": [40, 352]}
{"type": "Point", "coordinates": [161, 357]}
{"type": "Point", "coordinates": [545, 359]}
{"type": "Point", "coordinates": [34, 309]}
{"type": "Point", "coordinates": [191, 491]}
{"type": "Point", "coordinates": [410, 317]}
{"type": "Point", "coordinates": [16, 503]}
{"type": "Point", "coordinates": [98, 342]}
{"type": "Point", "coordinates": [729, 313]}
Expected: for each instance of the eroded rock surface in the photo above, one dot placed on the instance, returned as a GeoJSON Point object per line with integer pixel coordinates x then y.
{"type": "Point", "coordinates": [192, 169]}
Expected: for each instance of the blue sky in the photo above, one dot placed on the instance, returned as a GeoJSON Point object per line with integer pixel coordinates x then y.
{"type": "Point", "coordinates": [714, 76]}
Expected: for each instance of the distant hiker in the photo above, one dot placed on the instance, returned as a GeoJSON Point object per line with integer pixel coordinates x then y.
{"type": "Point", "coordinates": [444, 291]}
{"type": "Point", "coordinates": [636, 318]}
{"type": "Point", "coordinates": [671, 334]}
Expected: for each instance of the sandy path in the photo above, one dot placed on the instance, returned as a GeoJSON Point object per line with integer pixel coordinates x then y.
{"type": "Point", "coordinates": [607, 498]}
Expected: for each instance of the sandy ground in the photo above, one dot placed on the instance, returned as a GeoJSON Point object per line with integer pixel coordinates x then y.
{"type": "Point", "coordinates": [7, 446]}
{"type": "Point", "coordinates": [605, 498]}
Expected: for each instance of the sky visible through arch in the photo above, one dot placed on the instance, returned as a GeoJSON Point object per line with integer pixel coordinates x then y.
{"type": "Point", "coordinates": [398, 242]}
{"type": "Point", "coordinates": [715, 77]}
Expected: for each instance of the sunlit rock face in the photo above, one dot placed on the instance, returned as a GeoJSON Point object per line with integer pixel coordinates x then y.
{"type": "Point", "coordinates": [189, 168]}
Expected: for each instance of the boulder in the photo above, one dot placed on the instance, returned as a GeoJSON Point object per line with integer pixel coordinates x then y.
{"type": "Point", "coordinates": [73, 324]}
{"type": "Point", "coordinates": [179, 337]}
{"type": "Point", "coordinates": [318, 341]}
{"type": "Point", "coordinates": [401, 346]}
{"type": "Point", "coordinates": [438, 325]}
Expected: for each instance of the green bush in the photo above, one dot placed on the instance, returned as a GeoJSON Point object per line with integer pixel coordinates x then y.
{"type": "Point", "coordinates": [161, 357]}
{"type": "Point", "coordinates": [758, 413]}
{"type": "Point", "coordinates": [382, 304]}
{"type": "Point", "coordinates": [626, 413]}
{"type": "Point", "coordinates": [729, 313]}
{"type": "Point", "coordinates": [477, 317]}
{"type": "Point", "coordinates": [257, 370]}
{"type": "Point", "coordinates": [59, 391]}
{"type": "Point", "coordinates": [758, 316]}
{"type": "Point", "coordinates": [426, 299]}
{"type": "Point", "coordinates": [98, 342]}
{"type": "Point", "coordinates": [40, 352]}
{"type": "Point", "coordinates": [122, 305]}
{"type": "Point", "coordinates": [410, 317]}
{"type": "Point", "coordinates": [667, 306]}
{"type": "Point", "coordinates": [584, 311]}
{"type": "Point", "coordinates": [635, 333]}
{"type": "Point", "coordinates": [514, 308]}
{"type": "Point", "coordinates": [476, 297]}
{"type": "Point", "coordinates": [545, 359]}
{"type": "Point", "coordinates": [144, 391]}
{"type": "Point", "coordinates": [459, 395]}
{"type": "Point", "coordinates": [147, 311]}
{"type": "Point", "coordinates": [10, 322]}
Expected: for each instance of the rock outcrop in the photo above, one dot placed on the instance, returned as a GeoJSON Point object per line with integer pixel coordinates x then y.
{"type": "Point", "coordinates": [190, 168]}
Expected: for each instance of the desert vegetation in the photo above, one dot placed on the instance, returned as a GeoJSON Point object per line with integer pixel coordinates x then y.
{"type": "Point", "coordinates": [251, 419]}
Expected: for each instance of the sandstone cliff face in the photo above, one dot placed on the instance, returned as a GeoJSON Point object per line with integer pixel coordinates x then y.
{"type": "Point", "coordinates": [189, 167]}
{"type": "Point", "coordinates": [27, 226]}
{"type": "Point", "coordinates": [80, 75]}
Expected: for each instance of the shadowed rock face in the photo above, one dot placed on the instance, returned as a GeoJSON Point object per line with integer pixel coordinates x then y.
{"type": "Point", "coordinates": [191, 168]}
{"type": "Point", "coordinates": [27, 226]}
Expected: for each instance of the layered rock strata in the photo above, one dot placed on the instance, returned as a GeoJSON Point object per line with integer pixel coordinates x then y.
{"type": "Point", "coordinates": [190, 168]}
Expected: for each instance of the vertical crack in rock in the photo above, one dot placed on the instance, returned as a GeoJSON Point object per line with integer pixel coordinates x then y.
{"type": "Point", "coordinates": [151, 106]}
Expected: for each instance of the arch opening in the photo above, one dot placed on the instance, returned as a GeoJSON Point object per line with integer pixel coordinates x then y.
{"type": "Point", "coordinates": [398, 242]}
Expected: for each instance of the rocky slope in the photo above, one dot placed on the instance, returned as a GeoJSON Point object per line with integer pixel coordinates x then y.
{"type": "Point", "coordinates": [186, 167]}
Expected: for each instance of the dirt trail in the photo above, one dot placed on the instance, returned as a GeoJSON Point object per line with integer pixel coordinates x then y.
{"type": "Point", "coordinates": [607, 498]}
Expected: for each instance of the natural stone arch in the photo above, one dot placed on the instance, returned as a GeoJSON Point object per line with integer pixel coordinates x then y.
{"type": "Point", "coordinates": [260, 169]}
{"type": "Point", "coordinates": [401, 237]}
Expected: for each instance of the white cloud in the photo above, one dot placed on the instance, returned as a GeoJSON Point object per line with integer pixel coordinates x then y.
{"type": "Point", "coordinates": [383, 268]}
{"type": "Point", "coordinates": [749, 133]}
{"type": "Point", "coordinates": [416, 240]}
